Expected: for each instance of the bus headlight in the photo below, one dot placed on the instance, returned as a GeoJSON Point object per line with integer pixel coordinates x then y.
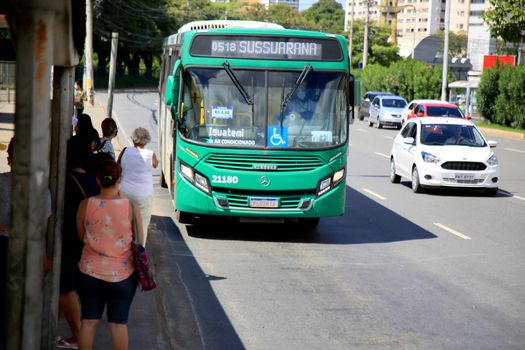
{"type": "Point", "coordinates": [330, 182]}
{"type": "Point", "coordinates": [198, 180]}
{"type": "Point", "coordinates": [324, 186]}
{"type": "Point", "coordinates": [201, 182]}
{"type": "Point", "coordinates": [338, 176]}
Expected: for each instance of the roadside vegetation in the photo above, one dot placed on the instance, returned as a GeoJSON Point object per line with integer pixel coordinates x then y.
{"type": "Point", "coordinates": [501, 94]}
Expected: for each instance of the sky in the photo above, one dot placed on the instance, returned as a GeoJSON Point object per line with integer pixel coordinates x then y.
{"type": "Point", "coordinates": [304, 4]}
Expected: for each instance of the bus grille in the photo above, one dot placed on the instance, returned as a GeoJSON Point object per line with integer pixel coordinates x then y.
{"type": "Point", "coordinates": [242, 201]}
{"type": "Point", "coordinates": [265, 163]}
{"type": "Point", "coordinates": [464, 166]}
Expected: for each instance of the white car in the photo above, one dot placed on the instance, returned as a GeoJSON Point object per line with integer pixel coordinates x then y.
{"type": "Point", "coordinates": [410, 106]}
{"type": "Point", "coordinates": [444, 152]}
{"type": "Point", "coordinates": [386, 110]}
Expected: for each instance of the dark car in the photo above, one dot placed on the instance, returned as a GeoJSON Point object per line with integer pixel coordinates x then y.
{"type": "Point", "coordinates": [364, 107]}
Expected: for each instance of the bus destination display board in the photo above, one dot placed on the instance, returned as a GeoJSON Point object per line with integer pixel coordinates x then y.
{"type": "Point", "coordinates": [266, 47]}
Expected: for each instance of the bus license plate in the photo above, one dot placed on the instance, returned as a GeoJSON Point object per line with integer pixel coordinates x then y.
{"type": "Point", "coordinates": [264, 202]}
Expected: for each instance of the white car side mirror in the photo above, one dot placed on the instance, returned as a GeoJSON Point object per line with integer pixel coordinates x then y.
{"type": "Point", "coordinates": [492, 143]}
{"type": "Point", "coordinates": [408, 140]}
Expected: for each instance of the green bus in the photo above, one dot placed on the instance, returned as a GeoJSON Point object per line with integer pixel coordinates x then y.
{"type": "Point", "coordinates": [253, 122]}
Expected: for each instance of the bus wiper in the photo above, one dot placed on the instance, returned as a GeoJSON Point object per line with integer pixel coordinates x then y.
{"type": "Point", "coordinates": [237, 83]}
{"type": "Point", "coordinates": [307, 69]}
{"type": "Point", "coordinates": [284, 101]}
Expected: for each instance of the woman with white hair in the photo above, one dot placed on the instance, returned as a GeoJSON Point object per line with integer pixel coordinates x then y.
{"type": "Point", "coordinates": [137, 163]}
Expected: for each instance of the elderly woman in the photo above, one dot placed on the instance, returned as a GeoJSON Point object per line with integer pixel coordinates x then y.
{"type": "Point", "coordinates": [137, 163]}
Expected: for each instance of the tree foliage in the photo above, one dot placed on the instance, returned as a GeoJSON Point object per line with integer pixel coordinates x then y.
{"type": "Point", "coordinates": [326, 16]}
{"type": "Point", "coordinates": [500, 92]}
{"type": "Point", "coordinates": [457, 43]}
{"type": "Point", "coordinates": [380, 50]}
{"type": "Point", "coordinates": [488, 91]}
{"type": "Point", "coordinates": [506, 19]}
{"type": "Point", "coordinates": [407, 78]}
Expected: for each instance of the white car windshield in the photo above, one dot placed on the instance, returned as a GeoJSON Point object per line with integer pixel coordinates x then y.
{"type": "Point", "coordinates": [215, 112]}
{"type": "Point", "coordinates": [446, 134]}
{"type": "Point", "coordinates": [394, 103]}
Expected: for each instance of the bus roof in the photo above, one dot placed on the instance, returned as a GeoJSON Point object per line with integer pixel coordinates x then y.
{"type": "Point", "coordinates": [203, 25]}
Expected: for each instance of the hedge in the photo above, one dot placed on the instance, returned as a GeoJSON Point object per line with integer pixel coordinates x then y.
{"type": "Point", "coordinates": [501, 95]}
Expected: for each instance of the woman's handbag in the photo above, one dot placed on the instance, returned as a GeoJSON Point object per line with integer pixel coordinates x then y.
{"type": "Point", "coordinates": [140, 258]}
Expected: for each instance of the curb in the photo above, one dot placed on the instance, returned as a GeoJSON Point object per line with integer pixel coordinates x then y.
{"type": "Point", "coordinates": [503, 133]}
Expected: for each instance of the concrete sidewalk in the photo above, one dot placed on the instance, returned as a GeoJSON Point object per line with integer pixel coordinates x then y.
{"type": "Point", "coordinates": [146, 328]}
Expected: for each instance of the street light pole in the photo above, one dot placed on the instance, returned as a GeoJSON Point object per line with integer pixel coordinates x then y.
{"type": "Point", "coordinates": [414, 33]}
{"type": "Point", "coordinates": [365, 41]}
{"type": "Point", "coordinates": [445, 52]}
{"type": "Point", "coordinates": [351, 34]}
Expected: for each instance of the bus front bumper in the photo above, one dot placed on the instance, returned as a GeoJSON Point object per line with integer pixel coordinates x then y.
{"type": "Point", "coordinates": [331, 203]}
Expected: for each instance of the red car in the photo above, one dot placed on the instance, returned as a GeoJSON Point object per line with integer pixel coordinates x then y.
{"type": "Point", "coordinates": [436, 109]}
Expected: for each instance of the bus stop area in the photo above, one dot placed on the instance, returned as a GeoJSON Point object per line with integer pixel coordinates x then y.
{"type": "Point", "coordinates": [146, 330]}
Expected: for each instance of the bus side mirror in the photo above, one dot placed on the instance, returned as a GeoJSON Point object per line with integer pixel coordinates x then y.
{"type": "Point", "coordinates": [172, 86]}
{"type": "Point", "coordinates": [169, 90]}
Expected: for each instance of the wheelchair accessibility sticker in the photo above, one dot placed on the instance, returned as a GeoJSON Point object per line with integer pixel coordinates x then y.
{"type": "Point", "coordinates": [277, 137]}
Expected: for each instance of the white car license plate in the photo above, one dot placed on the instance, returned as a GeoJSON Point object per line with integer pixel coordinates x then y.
{"type": "Point", "coordinates": [264, 202]}
{"type": "Point", "coordinates": [464, 177]}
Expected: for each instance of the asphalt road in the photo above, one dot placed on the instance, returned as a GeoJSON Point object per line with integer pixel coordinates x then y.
{"type": "Point", "coordinates": [439, 270]}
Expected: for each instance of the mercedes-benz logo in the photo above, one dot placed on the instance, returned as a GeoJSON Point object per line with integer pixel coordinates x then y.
{"type": "Point", "coordinates": [265, 181]}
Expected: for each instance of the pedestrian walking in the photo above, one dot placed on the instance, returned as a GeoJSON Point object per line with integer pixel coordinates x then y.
{"type": "Point", "coordinates": [137, 180]}
{"type": "Point", "coordinates": [107, 277]}
{"type": "Point", "coordinates": [79, 98]}
{"type": "Point", "coordinates": [79, 186]}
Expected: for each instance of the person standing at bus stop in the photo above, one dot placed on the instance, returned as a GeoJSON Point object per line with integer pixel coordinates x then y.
{"type": "Point", "coordinates": [80, 97]}
{"type": "Point", "coordinates": [137, 178]}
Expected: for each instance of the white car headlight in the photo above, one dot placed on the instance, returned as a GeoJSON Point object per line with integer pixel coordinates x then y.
{"type": "Point", "coordinates": [186, 171]}
{"type": "Point", "coordinates": [429, 158]}
{"type": "Point", "coordinates": [493, 160]}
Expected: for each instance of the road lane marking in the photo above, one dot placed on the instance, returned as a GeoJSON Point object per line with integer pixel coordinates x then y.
{"type": "Point", "coordinates": [514, 150]}
{"type": "Point", "coordinates": [362, 130]}
{"type": "Point", "coordinates": [454, 232]}
{"type": "Point", "coordinates": [388, 137]}
{"type": "Point", "coordinates": [518, 197]}
{"type": "Point", "coordinates": [374, 194]}
{"type": "Point", "coordinates": [382, 154]}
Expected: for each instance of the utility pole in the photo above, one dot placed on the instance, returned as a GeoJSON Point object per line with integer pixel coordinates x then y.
{"type": "Point", "coordinates": [88, 55]}
{"type": "Point", "coordinates": [112, 73]}
{"type": "Point", "coordinates": [445, 52]}
{"type": "Point", "coordinates": [351, 34]}
{"type": "Point", "coordinates": [367, 23]}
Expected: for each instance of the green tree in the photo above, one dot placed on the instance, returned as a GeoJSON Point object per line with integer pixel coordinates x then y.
{"type": "Point", "coordinates": [286, 16]}
{"type": "Point", "coordinates": [506, 19]}
{"type": "Point", "coordinates": [427, 81]}
{"type": "Point", "coordinates": [380, 50]}
{"type": "Point", "coordinates": [508, 109]}
{"type": "Point", "coordinates": [326, 16]}
{"type": "Point", "coordinates": [457, 43]}
{"type": "Point", "coordinates": [488, 91]}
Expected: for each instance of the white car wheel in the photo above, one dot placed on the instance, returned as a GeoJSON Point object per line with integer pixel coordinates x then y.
{"type": "Point", "coordinates": [394, 178]}
{"type": "Point", "coordinates": [416, 186]}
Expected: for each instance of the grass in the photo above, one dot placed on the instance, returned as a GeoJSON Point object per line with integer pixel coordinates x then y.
{"type": "Point", "coordinates": [485, 124]}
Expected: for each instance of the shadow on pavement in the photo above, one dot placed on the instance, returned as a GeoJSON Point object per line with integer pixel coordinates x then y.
{"type": "Point", "coordinates": [364, 221]}
{"type": "Point", "coordinates": [458, 192]}
{"type": "Point", "coordinates": [192, 316]}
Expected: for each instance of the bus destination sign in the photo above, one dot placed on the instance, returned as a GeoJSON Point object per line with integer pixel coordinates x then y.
{"type": "Point", "coordinates": [266, 47]}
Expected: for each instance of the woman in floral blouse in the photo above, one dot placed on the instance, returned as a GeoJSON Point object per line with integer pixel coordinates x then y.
{"type": "Point", "coordinates": [108, 276]}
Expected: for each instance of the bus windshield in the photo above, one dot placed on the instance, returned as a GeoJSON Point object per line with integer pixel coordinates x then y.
{"type": "Point", "coordinates": [215, 112]}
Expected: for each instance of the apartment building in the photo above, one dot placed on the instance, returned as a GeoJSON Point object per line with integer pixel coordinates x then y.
{"type": "Point", "coordinates": [480, 42]}
{"type": "Point", "coordinates": [416, 19]}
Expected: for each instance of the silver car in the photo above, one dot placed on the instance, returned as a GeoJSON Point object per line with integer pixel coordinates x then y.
{"type": "Point", "coordinates": [386, 110]}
